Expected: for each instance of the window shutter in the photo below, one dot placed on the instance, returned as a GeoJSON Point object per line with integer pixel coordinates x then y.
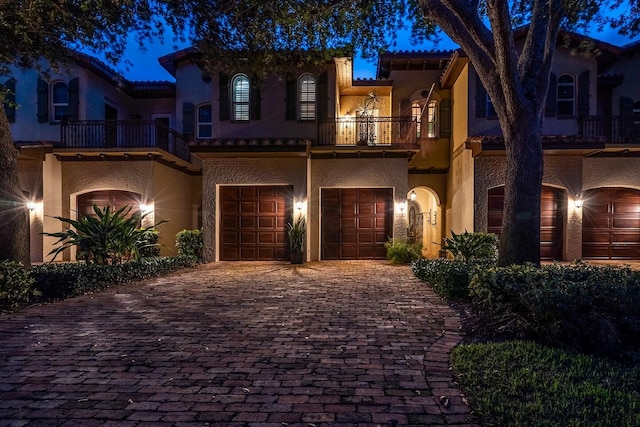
{"type": "Point", "coordinates": [224, 112]}
{"type": "Point", "coordinates": [626, 106]}
{"type": "Point", "coordinates": [254, 101]}
{"type": "Point", "coordinates": [43, 101]}
{"type": "Point", "coordinates": [481, 98]}
{"type": "Point", "coordinates": [551, 107]}
{"type": "Point", "coordinates": [583, 93]}
{"type": "Point", "coordinates": [74, 99]}
{"type": "Point", "coordinates": [188, 120]}
{"type": "Point", "coordinates": [291, 98]}
{"type": "Point", "coordinates": [10, 100]}
{"type": "Point", "coordinates": [445, 118]}
{"type": "Point", "coordinates": [323, 96]}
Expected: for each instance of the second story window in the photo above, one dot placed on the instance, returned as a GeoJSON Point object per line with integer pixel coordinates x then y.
{"type": "Point", "coordinates": [307, 97]}
{"type": "Point", "coordinates": [240, 98]}
{"type": "Point", "coordinates": [416, 114]}
{"type": "Point", "coordinates": [59, 101]}
{"type": "Point", "coordinates": [432, 119]}
{"type": "Point", "coordinates": [205, 123]}
{"type": "Point", "coordinates": [566, 95]}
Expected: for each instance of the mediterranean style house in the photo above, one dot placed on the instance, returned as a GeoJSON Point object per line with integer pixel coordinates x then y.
{"type": "Point", "coordinates": [413, 154]}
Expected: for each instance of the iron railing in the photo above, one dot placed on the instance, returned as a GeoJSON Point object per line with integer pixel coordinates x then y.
{"type": "Point", "coordinates": [123, 134]}
{"type": "Point", "coordinates": [616, 129]}
{"type": "Point", "coordinates": [368, 131]}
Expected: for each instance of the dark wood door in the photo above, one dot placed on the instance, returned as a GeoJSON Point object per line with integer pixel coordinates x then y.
{"type": "Point", "coordinates": [551, 219]}
{"type": "Point", "coordinates": [253, 222]}
{"type": "Point", "coordinates": [611, 224]}
{"type": "Point", "coordinates": [356, 222]}
{"type": "Point", "coordinates": [116, 199]}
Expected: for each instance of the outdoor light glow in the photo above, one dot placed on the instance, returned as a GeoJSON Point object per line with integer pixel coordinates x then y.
{"type": "Point", "coordinates": [413, 195]}
{"type": "Point", "coordinates": [578, 203]}
{"type": "Point", "coordinates": [402, 206]}
{"type": "Point", "coordinates": [31, 206]}
{"type": "Point", "coordinates": [145, 208]}
{"type": "Point", "coordinates": [299, 205]}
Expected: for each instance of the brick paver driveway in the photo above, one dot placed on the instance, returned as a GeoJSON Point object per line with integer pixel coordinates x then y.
{"type": "Point", "coordinates": [237, 344]}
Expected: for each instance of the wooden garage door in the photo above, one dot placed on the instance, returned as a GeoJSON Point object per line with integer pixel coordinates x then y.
{"type": "Point", "coordinates": [254, 222]}
{"type": "Point", "coordinates": [611, 224]}
{"type": "Point", "coordinates": [356, 222]}
{"type": "Point", "coordinates": [116, 199]}
{"type": "Point", "coordinates": [551, 219]}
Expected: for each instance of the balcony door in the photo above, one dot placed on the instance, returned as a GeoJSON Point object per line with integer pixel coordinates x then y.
{"type": "Point", "coordinates": [161, 131]}
{"type": "Point", "coordinates": [110, 126]}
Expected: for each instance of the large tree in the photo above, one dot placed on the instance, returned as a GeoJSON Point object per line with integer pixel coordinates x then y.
{"type": "Point", "coordinates": [31, 30]}
{"type": "Point", "coordinates": [516, 80]}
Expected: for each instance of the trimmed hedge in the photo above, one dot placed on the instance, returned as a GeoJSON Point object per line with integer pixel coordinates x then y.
{"type": "Point", "coordinates": [190, 243]}
{"type": "Point", "coordinates": [589, 308]}
{"type": "Point", "coordinates": [56, 281]}
{"type": "Point", "coordinates": [403, 252]}
{"type": "Point", "coordinates": [448, 277]}
{"type": "Point", "coordinates": [16, 285]}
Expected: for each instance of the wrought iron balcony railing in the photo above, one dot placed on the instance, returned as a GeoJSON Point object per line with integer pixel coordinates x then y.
{"type": "Point", "coordinates": [616, 129]}
{"type": "Point", "coordinates": [368, 131]}
{"type": "Point", "coordinates": [123, 134]}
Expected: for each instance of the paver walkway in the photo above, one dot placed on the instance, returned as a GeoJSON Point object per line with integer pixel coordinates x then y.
{"type": "Point", "coordinates": [237, 344]}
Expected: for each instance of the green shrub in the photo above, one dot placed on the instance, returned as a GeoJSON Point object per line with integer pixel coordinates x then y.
{"type": "Point", "coordinates": [470, 247]}
{"type": "Point", "coordinates": [448, 277]}
{"type": "Point", "coordinates": [57, 281]}
{"type": "Point", "coordinates": [16, 285]}
{"type": "Point", "coordinates": [403, 252]}
{"type": "Point", "coordinates": [190, 243]}
{"type": "Point", "coordinates": [109, 237]}
{"type": "Point", "coordinates": [149, 243]}
{"type": "Point", "coordinates": [591, 309]}
{"type": "Point", "coordinates": [526, 384]}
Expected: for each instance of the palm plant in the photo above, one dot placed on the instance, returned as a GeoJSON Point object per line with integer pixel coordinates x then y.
{"type": "Point", "coordinates": [109, 237]}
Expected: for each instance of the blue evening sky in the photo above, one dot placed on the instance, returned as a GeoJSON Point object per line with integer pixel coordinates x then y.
{"type": "Point", "coordinates": [144, 65]}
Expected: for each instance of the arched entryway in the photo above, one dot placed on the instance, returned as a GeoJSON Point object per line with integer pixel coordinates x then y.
{"type": "Point", "coordinates": [552, 219]}
{"type": "Point", "coordinates": [425, 220]}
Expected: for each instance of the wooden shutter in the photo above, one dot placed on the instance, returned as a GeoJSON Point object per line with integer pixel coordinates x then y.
{"type": "Point", "coordinates": [583, 93]}
{"type": "Point", "coordinates": [188, 120]}
{"type": "Point", "coordinates": [224, 111]}
{"type": "Point", "coordinates": [10, 100]}
{"type": "Point", "coordinates": [254, 100]}
{"type": "Point", "coordinates": [445, 118]}
{"type": "Point", "coordinates": [405, 108]}
{"type": "Point", "coordinates": [551, 107]}
{"type": "Point", "coordinates": [291, 98]}
{"type": "Point", "coordinates": [43, 101]}
{"type": "Point", "coordinates": [323, 96]}
{"type": "Point", "coordinates": [481, 98]}
{"type": "Point", "coordinates": [74, 99]}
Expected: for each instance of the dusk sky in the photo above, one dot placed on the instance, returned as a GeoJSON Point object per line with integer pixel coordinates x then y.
{"type": "Point", "coordinates": [145, 66]}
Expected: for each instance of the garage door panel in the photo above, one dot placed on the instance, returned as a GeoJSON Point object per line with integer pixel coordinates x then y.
{"type": "Point", "coordinates": [621, 222]}
{"type": "Point", "coordinates": [256, 216]}
{"type": "Point", "coordinates": [352, 221]}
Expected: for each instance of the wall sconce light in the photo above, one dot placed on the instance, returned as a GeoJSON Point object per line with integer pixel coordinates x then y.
{"type": "Point", "coordinates": [402, 206]}
{"type": "Point", "coordinates": [299, 205]}
{"type": "Point", "coordinates": [412, 196]}
{"type": "Point", "coordinates": [578, 202]}
{"type": "Point", "coordinates": [31, 206]}
{"type": "Point", "coordinates": [144, 208]}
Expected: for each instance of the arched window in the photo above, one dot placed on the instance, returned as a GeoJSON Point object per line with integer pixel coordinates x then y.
{"type": "Point", "coordinates": [432, 119]}
{"type": "Point", "coordinates": [307, 97]}
{"type": "Point", "coordinates": [566, 95]}
{"type": "Point", "coordinates": [59, 101]}
{"type": "Point", "coordinates": [205, 123]}
{"type": "Point", "coordinates": [416, 114]}
{"type": "Point", "coordinates": [240, 97]}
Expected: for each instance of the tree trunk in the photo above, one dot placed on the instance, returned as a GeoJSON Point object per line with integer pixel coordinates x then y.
{"type": "Point", "coordinates": [14, 215]}
{"type": "Point", "coordinates": [520, 235]}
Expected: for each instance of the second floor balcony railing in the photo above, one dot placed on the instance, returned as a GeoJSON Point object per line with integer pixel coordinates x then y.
{"type": "Point", "coordinates": [616, 129]}
{"type": "Point", "coordinates": [123, 134]}
{"type": "Point", "coordinates": [367, 131]}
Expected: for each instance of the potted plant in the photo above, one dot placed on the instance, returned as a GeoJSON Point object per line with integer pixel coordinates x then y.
{"type": "Point", "coordinates": [296, 233]}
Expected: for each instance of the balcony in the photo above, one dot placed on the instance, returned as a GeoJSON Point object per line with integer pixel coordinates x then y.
{"type": "Point", "coordinates": [123, 135]}
{"type": "Point", "coordinates": [616, 129]}
{"type": "Point", "coordinates": [368, 131]}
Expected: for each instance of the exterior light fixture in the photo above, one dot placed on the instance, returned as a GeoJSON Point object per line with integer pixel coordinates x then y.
{"type": "Point", "coordinates": [299, 205]}
{"type": "Point", "coordinates": [402, 206]}
{"type": "Point", "coordinates": [31, 206]}
{"type": "Point", "coordinates": [413, 195]}
{"type": "Point", "coordinates": [578, 202]}
{"type": "Point", "coordinates": [144, 208]}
